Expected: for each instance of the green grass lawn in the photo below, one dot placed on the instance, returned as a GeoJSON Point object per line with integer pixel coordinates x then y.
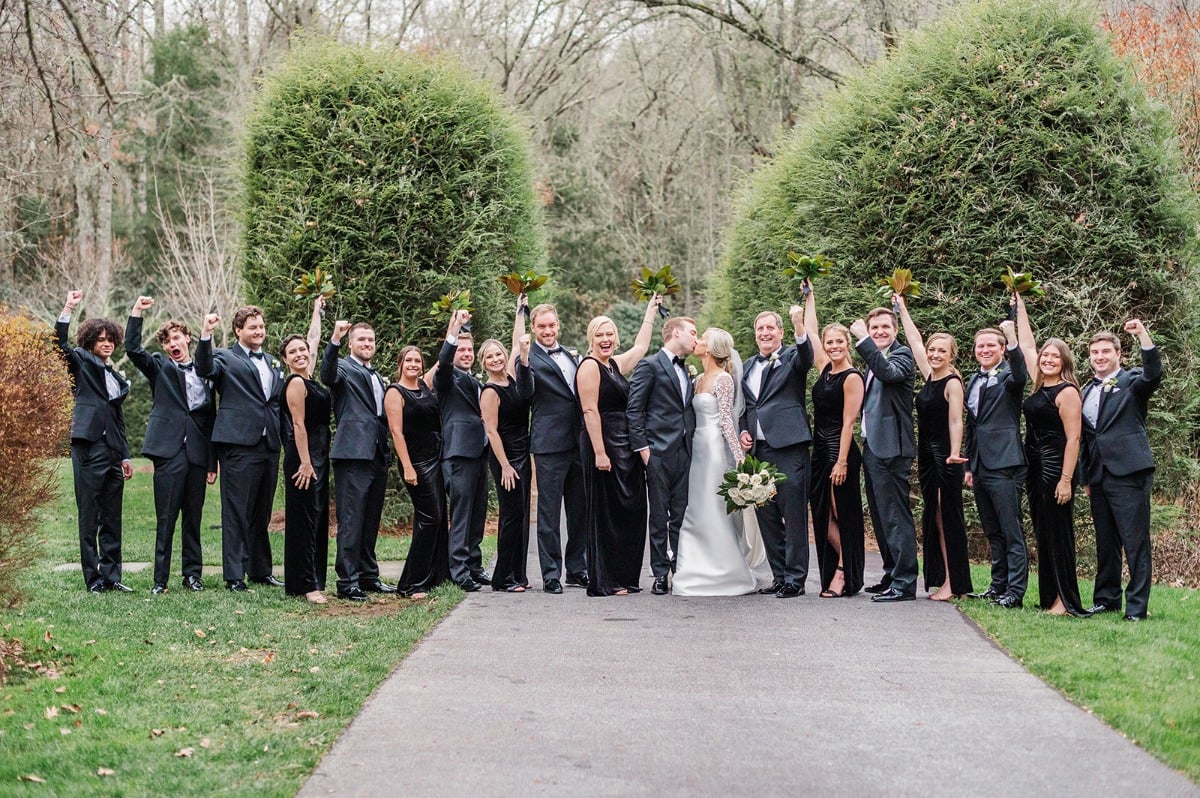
{"type": "Point", "coordinates": [185, 693]}
{"type": "Point", "coordinates": [1141, 678]}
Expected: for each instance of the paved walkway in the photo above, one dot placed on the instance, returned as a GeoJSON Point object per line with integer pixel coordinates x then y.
{"type": "Point", "coordinates": [534, 694]}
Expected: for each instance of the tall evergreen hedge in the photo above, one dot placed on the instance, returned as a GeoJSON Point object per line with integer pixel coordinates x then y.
{"type": "Point", "coordinates": [1007, 134]}
{"type": "Point", "coordinates": [399, 173]}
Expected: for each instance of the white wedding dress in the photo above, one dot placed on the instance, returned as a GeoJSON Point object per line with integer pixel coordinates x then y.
{"type": "Point", "coordinates": [720, 554]}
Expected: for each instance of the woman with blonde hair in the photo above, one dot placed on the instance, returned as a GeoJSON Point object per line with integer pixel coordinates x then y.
{"type": "Point", "coordinates": [614, 477]}
{"type": "Point", "coordinates": [939, 460]}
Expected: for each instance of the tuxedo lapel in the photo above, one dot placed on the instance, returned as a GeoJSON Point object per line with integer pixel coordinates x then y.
{"type": "Point", "coordinates": [548, 365]}
{"type": "Point", "coordinates": [667, 365]}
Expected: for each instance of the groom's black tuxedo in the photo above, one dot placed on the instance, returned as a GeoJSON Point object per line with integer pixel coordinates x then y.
{"type": "Point", "coordinates": [776, 418]}
{"type": "Point", "coordinates": [1117, 465]}
{"type": "Point", "coordinates": [662, 420]}
{"type": "Point", "coordinates": [554, 443]}
{"type": "Point", "coordinates": [247, 437]}
{"type": "Point", "coordinates": [178, 442]}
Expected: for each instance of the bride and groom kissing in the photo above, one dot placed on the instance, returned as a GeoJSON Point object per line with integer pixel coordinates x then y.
{"type": "Point", "coordinates": [688, 435]}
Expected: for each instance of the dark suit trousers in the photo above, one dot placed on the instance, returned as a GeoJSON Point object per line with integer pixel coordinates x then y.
{"type": "Point", "coordinates": [359, 488]}
{"type": "Point", "coordinates": [248, 477]}
{"type": "Point", "coordinates": [885, 552]}
{"type": "Point", "coordinates": [99, 490]}
{"type": "Point", "coordinates": [784, 521]}
{"type": "Point", "coordinates": [179, 487]}
{"type": "Point", "coordinates": [887, 496]}
{"type": "Point", "coordinates": [998, 497]}
{"type": "Point", "coordinates": [667, 493]}
{"type": "Point", "coordinates": [559, 482]}
{"type": "Point", "coordinates": [466, 482]}
{"type": "Point", "coordinates": [1121, 511]}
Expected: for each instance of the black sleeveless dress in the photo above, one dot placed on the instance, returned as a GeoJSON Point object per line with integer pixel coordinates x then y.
{"type": "Point", "coordinates": [428, 562]}
{"type": "Point", "coordinates": [306, 512]}
{"type": "Point", "coordinates": [843, 503]}
{"type": "Point", "coordinates": [941, 491]}
{"type": "Point", "coordinates": [512, 424]}
{"type": "Point", "coordinates": [616, 499]}
{"type": "Point", "coordinates": [1053, 523]}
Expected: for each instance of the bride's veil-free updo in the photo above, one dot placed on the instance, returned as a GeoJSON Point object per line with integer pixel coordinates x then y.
{"type": "Point", "coordinates": [720, 346]}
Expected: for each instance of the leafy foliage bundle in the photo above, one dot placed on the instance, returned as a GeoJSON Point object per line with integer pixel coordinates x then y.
{"type": "Point", "coordinates": [401, 176]}
{"type": "Point", "coordinates": [35, 392]}
{"type": "Point", "coordinates": [1007, 135]}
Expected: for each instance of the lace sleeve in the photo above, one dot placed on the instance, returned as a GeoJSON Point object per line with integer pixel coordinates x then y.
{"type": "Point", "coordinates": [722, 391]}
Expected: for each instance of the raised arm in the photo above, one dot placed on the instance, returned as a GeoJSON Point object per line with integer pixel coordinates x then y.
{"type": "Point", "coordinates": [314, 332]}
{"type": "Point", "coordinates": [133, 340]}
{"type": "Point", "coordinates": [913, 336]}
{"type": "Point", "coordinates": [393, 408]}
{"type": "Point", "coordinates": [1025, 338]}
{"type": "Point", "coordinates": [1016, 359]}
{"type": "Point", "coordinates": [443, 374]}
{"type": "Point", "coordinates": [641, 345]}
{"type": "Point", "coordinates": [329, 363]}
{"type": "Point", "coordinates": [1152, 372]}
{"type": "Point", "coordinates": [524, 374]}
{"type": "Point", "coordinates": [813, 328]}
{"type": "Point", "coordinates": [518, 332]}
{"type": "Point", "coordinates": [207, 366]}
{"type": "Point", "coordinates": [63, 326]}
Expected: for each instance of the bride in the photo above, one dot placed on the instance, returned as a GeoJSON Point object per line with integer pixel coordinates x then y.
{"type": "Point", "coordinates": [720, 554]}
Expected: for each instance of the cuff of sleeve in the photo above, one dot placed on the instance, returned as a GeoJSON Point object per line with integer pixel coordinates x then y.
{"type": "Point", "coordinates": [205, 337]}
{"type": "Point", "coordinates": [64, 318]}
{"type": "Point", "coordinates": [1148, 348]}
{"type": "Point", "coordinates": [801, 338]}
{"type": "Point", "coordinates": [452, 340]}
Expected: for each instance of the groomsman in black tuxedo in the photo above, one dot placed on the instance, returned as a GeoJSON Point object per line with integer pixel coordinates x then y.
{"type": "Point", "coordinates": [99, 452]}
{"type": "Point", "coordinates": [554, 443]}
{"type": "Point", "coordinates": [464, 453]}
{"type": "Point", "coordinates": [1118, 468]}
{"type": "Point", "coordinates": [661, 423]}
{"type": "Point", "coordinates": [246, 435]}
{"type": "Point", "coordinates": [888, 451]}
{"type": "Point", "coordinates": [775, 428]}
{"type": "Point", "coordinates": [996, 464]}
{"type": "Point", "coordinates": [177, 442]}
{"type": "Point", "coordinates": [361, 455]}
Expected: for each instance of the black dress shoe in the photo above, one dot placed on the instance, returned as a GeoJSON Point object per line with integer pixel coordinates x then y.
{"type": "Point", "coordinates": [96, 587]}
{"type": "Point", "coordinates": [193, 584]}
{"type": "Point", "coordinates": [1009, 602]}
{"type": "Point", "coordinates": [771, 590]}
{"type": "Point", "coordinates": [236, 585]}
{"type": "Point", "coordinates": [660, 586]}
{"type": "Point", "coordinates": [892, 595]}
{"type": "Point", "coordinates": [577, 580]}
{"type": "Point", "coordinates": [376, 586]}
{"type": "Point", "coordinates": [1096, 609]}
{"type": "Point", "coordinates": [789, 590]}
{"type": "Point", "coordinates": [352, 594]}
{"type": "Point", "coordinates": [991, 594]}
{"type": "Point", "coordinates": [158, 590]}
{"type": "Point", "coordinates": [118, 587]}
{"type": "Point", "coordinates": [482, 577]}
{"type": "Point", "coordinates": [552, 586]}
{"type": "Point", "coordinates": [268, 580]}
{"type": "Point", "coordinates": [469, 585]}
{"type": "Point", "coordinates": [878, 588]}
{"type": "Point", "coordinates": [1135, 618]}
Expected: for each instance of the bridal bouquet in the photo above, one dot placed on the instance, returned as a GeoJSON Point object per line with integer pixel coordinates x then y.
{"type": "Point", "coordinates": [751, 483]}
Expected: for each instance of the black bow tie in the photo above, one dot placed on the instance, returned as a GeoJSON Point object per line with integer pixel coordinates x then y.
{"type": "Point", "coordinates": [555, 351]}
{"type": "Point", "coordinates": [258, 355]}
{"type": "Point", "coordinates": [1096, 381]}
{"type": "Point", "coordinates": [678, 361]}
{"type": "Point", "coordinates": [187, 366]}
{"type": "Point", "coordinates": [761, 358]}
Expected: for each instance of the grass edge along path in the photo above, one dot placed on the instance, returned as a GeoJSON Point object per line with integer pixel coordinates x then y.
{"type": "Point", "coordinates": [1139, 678]}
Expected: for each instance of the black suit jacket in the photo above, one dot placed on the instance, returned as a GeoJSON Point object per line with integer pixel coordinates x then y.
{"type": "Point", "coordinates": [463, 434]}
{"type": "Point", "coordinates": [660, 417]}
{"type": "Point", "coordinates": [95, 415]}
{"type": "Point", "coordinates": [556, 419]}
{"type": "Point", "coordinates": [244, 413]}
{"type": "Point", "coordinates": [890, 430]}
{"type": "Point", "coordinates": [361, 433]}
{"type": "Point", "coordinates": [994, 433]}
{"type": "Point", "coordinates": [1118, 442]}
{"type": "Point", "coordinates": [172, 426]}
{"type": "Point", "coordinates": [780, 409]}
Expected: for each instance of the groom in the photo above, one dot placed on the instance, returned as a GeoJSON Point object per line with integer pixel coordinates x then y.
{"type": "Point", "coordinates": [775, 427]}
{"type": "Point", "coordinates": [661, 423]}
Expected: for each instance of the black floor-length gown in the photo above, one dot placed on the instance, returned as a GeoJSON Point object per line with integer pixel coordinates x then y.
{"type": "Point", "coordinates": [512, 424]}
{"type": "Point", "coordinates": [842, 503]}
{"type": "Point", "coordinates": [1053, 523]}
{"type": "Point", "coordinates": [941, 491]}
{"type": "Point", "coordinates": [616, 499]}
{"type": "Point", "coordinates": [306, 512]}
{"type": "Point", "coordinates": [428, 561]}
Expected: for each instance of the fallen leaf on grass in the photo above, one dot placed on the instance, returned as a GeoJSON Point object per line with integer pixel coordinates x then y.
{"type": "Point", "coordinates": [47, 637]}
{"type": "Point", "coordinates": [105, 772]}
{"type": "Point", "coordinates": [100, 711]}
{"type": "Point", "coordinates": [307, 714]}
{"type": "Point", "coordinates": [89, 642]}
{"type": "Point", "coordinates": [72, 708]}
{"type": "Point", "coordinates": [267, 659]}
{"type": "Point", "coordinates": [200, 633]}
{"type": "Point", "coordinates": [31, 777]}
{"type": "Point", "coordinates": [64, 731]}
{"type": "Point", "coordinates": [51, 713]}
{"type": "Point", "coordinates": [157, 732]}
{"type": "Point", "coordinates": [205, 743]}
{"type": "Point", "coordinates": [315, 669]}
{"type": "Point", "coordinates": [185, 752]}
{"type": "Point", "coordinates": [60, 690]}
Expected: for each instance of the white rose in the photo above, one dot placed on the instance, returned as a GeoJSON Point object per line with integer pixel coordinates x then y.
{"type": "Point", "coordinates": [743, 479]}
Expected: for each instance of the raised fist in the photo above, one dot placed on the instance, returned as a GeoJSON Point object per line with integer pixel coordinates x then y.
{"type": "Point", "coordinates": [1135, 327]}
{"type": "Point", "coordinates": [143, 302]}
{"type": "Point", "coordinates": [73, 299]}
{"type": "Point", "coordinates": [340, 328]}
{"type": "Point", "coordinates": [210, 323]}
{"type": "Point", "coordinates": [858, 328]}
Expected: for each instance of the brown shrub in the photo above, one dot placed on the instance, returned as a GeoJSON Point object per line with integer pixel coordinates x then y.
{"type": "Point", "coordinates": [35, 417]}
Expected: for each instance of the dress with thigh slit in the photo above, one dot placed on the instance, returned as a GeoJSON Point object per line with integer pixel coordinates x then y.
{"type": "Point", "coordinates": [840, 503]}
{"type": "Point", "coordinates": [941, 491]}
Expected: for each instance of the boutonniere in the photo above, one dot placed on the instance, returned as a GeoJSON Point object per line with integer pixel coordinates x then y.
{"type": "Point", "coordinates": [1110, 384]}
{"type": "Point", "coordinates": [691, 371]}
{"type": "Point", "coordinates": [773, 358]}
{"type": "Point", "coordinates": [479, 375]}
{"type": "Point", "coordinates": [573, 352]}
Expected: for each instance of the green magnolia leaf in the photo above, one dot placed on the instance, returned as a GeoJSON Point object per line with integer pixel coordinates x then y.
{"type": "Point", "coordinates": [445, 307]}
{"type": "Point", "coordinates": [523, 282]}
{"type": "Point", "coordinates": [661, 282]}
{"type": "Point", "coordinates": [318, 283]}
{"type": "Point", "coordinates": [1021, 283]}
{"type": "Point", "coordinates": [900, 282]}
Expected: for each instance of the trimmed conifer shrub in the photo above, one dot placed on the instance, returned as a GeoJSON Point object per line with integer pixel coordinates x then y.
{"type": "Point", "coordinates": [1006, 135]}
{"type": "Point", "coordinates": [398, 173]}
